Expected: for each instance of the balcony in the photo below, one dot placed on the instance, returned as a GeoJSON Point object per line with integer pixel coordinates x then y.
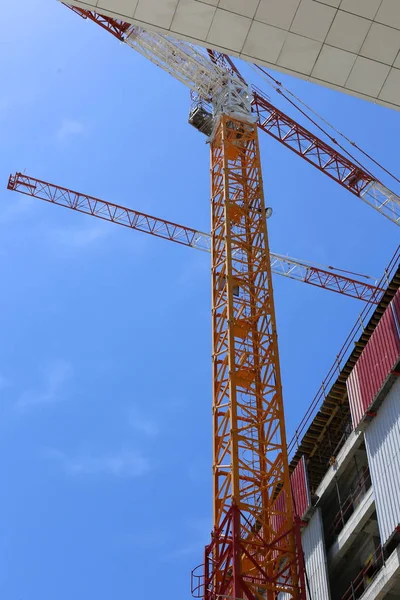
{"type": "Point", "coordinates": [365, 577]}
{"type": "Point", "coordinates": [348, 506]}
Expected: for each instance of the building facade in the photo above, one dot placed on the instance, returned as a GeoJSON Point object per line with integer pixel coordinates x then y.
{"type": "Point", "coordinates": [347, 466]}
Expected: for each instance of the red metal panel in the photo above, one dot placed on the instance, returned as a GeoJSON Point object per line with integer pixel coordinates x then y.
{"type": "Point", "coordinates": [378, 358]}
{"type": "Point", "coordinates": [280, 507]}
{"type": "Point", "coordinates": [300, 494]}
{"type": "Point", "coordinates": [278, 518]}
{"type": "Point", "coordinates": [301, 499]}
{"type": "Point", "coordinates": [375, 363]}
{"type": "Point", "coordinates": [300, 489]}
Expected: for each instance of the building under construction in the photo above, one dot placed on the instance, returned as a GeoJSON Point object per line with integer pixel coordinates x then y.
{"type": "Point", "coordinates": [317, 517]}
{"type": "Point", "coordinates": [346, 463]}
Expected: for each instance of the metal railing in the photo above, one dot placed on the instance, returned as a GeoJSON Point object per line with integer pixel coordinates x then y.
{"type": "Point", "coordinates": [365, 577]}
{"type": "Point", "coordinates": [347, 430]}
{"type": "Point", "coordinates": [198, 586]}
{"type": "Point", "coordinates": [349, 505]}
{"type": "Point", "coordinates": [342, 357]}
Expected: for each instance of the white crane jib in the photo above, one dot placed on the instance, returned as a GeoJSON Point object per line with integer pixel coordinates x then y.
{"type": "Point", "coordinates": [222, 91]}
{"type": "Point", "coordinates": [214, 85]}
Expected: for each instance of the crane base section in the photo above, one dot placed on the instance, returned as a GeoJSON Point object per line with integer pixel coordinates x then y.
{"type": "Point", "coordinates": [216, 579]}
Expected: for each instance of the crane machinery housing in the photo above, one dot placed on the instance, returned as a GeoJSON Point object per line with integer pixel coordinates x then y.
{"type": "Point", "coordinates": [255, 551]}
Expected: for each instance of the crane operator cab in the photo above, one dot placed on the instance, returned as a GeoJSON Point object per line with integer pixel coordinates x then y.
{"type": "Point", "coordinates": [201, 118]}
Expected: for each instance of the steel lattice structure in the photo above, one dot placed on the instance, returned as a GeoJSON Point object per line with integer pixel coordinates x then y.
{"type": "Point", "coordinates": [282, 128]}
{"type": "Point", "coordinates": [320, 154]}
{"type": "Point", "coordinates": [324, 277]}
{"type": "Point", "coordinates": [250, 460]}
{"type": "Point", "coordinates": [255, 552]}
{"type": "Point", "coordinates": [315, 151]}
{"type": "Point", "coordinates": [114, 26]}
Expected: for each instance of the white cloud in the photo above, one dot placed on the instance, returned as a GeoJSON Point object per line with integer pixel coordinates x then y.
{"type": "Point", "coordinates": [125, 464]}
{"type": "Point", "coordinates": [200, 525]}
{"type": "Point", "coordinates": [199, 471]}
{"type": "Point", "coordinates": [4, 383]}
{"type": "Point", "coordinates": [147, 539]}
{"type": "Point", "coordinates": [5, 104]}
{"type": "Point", "coordinates": [13, 102]}
{"type": "Point", "coordinates": [15, 208]}
{"type": "Point", "coordinates": [55, 375]}
{"type": "Point", "coordinates": [187, 550]}
{"type": "Point", "coordinates": [193, 270]}
{"type": "Point", "coordinates": [80, 237]}
{"type": "Point", "coordinates": [142, 423]}
{"type": "Point", "coordinates": [198, 531]}
{"type": "Point", "coordinates": [69, 128]}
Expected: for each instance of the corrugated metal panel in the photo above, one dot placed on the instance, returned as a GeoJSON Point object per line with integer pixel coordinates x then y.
{"type": "Point", "coordinates": [382, 439]}
{"type": "Point", "coordinates": [354, 395]}
{"type": "Point", "coordinates": [279, 518]}
{"type": "Point", "coordinates": [396, 303]}
{"type": "Point", "coordinates": [301, 496]}
{"type": "Point", "coordinates": [315, 558]}
{"type": "Point", "coordinates": [396, 311]}
{"type": "Point", "coordinates": [313, 543]}
{"type": "Point", "coordinates": [300, 489]}
{"type": "Point", "coordinates": [375, 363]}
{"type": "Point", "coordinates": [378, 357]}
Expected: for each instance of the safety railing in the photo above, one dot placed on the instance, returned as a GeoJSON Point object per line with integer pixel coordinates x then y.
{"type": "Point", "coordinates": [198, 582]}
{"type": "Point", "coordinates": [349, 505]}
{"type": "Point", "coordinates": [342, 357]}
{"type": "Point", "coordinates": [365, 577]}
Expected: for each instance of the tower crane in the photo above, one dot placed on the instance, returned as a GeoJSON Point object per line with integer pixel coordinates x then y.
{"type": "Point", "coordinates": [328, 278]}
{"type": "Point", "coordinates": [353, 177]}
{"type": "Point", "coordinates": [254, 553]}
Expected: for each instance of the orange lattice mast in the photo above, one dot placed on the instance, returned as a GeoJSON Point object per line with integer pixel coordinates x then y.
{"type": "Point", "coordinates": [253, 552]}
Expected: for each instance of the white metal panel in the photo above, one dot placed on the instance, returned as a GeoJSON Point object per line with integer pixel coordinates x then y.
{"type": "Point", "coordinates": [313, 543]}
{"type": "Point", "coordinates": [382, 439]}
{"type": "Point", "coordinates": [348, 45]}
{"type": "Point", "coordinates": [315, 558]}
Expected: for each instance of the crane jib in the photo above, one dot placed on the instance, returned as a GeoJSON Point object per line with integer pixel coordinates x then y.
{"type": "Point", "coordinates": [329, 278]}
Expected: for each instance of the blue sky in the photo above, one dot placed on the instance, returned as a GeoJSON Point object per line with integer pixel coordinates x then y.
{"type": "Point", "coordinates": [105, 428]}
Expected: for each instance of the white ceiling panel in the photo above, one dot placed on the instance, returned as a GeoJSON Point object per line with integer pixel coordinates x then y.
{"type": "Point", "coordinates": [350, 45]}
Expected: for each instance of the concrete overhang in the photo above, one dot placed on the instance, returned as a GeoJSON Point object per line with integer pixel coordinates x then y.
{"type": "Point", "coordinates": [348, 45]}
{"type": "Point", "coordinates": [343, 458]}
{"type": "Point", "coordinates": [387, 580]}
{"type": "Point", "coordinates": [353, 527]}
